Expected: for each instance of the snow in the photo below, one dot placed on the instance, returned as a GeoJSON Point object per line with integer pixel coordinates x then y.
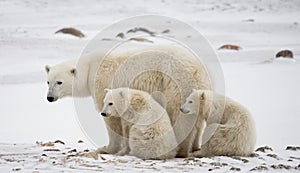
{"type": "Point", "coordinates": [268, 87]}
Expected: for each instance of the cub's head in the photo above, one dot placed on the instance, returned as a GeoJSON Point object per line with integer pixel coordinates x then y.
{"type": "Point", "coordinates": [194, 102]}
{"type": "Point", "coordinates": [59, 80]}
{"type": "Point", "coordinates": [114, 103]}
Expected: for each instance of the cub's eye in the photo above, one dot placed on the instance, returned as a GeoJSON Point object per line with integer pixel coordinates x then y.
{"type": "Point", "coordinates": [59, 82]}
{"type": "Point", "coordinates": [190, 101]}
{"type": "Point", "coordinates": [110, 104]}
{"type": "Point", "coordinates": [48, 82]}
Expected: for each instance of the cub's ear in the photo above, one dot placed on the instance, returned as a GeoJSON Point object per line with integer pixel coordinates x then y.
{"type": "Point", "coordinates": [47, 68]}
{"type": "Point", "coordinates": [73, 71]}
{"type": "Point", "coordinates": [202, 96]}
{"type": "Point", "coordinates": [106, 89]}
{"type": "Point", "coordinates": [121, 94]}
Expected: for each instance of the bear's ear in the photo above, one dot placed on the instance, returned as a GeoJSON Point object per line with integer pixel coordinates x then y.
{"type": "Point", "coordinates": [106, 90]}
{"type": "Point", "coordinates": [73, 71]}
{"type": "Point", "coordinates": [121, 94]}
{"type": "Point", "coordinates": [47, 68]}
{"type": "Point", "coordinates": [194, 90]}
{"type": "Point", "coordinates": [202, 96]}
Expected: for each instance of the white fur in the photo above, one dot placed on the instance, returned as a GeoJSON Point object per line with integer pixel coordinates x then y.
{"type": "Point", "coordinates": [230, 129]}
{"type": "Point", "coordinates": [171, 70]}
{"type": "Point", "coordinates": [145, 123]}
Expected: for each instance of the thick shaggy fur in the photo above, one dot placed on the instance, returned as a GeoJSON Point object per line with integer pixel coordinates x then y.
{"type": "Point", "coordinates": [145, 124]}
{"type": "Point", "coordinates": [230, 129]}
{"type": "Point", "coordinates": [170, 70]}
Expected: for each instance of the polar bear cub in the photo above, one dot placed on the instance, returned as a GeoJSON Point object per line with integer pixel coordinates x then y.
{"type": "Point", "coordinates": [146, 127]}
{"type": "Point", "coordinates": [230, 129]}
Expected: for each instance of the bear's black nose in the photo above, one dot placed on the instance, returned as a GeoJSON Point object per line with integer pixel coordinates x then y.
{"type": "Point", "coordinates": [50, 99]}
{"type": "Point", "coordinates": [103, 114]}
{"type": "Point", "coordinates": [181, 109]}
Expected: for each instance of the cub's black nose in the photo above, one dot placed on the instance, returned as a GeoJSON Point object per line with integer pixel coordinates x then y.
{"type": "Point", "coordinates": [103, 114]}
{"type": "Point", "coordinates": [50, 99]}
{"type": "Point", "coordinates": [181, 109]}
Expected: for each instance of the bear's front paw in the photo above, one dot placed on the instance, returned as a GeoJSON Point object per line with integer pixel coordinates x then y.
{"type": "Point", "coordinates": [102, 150]}
{"type": "Point", "coordinates": [123, 151]}
{"type": "Point", "coordinates": [182, 154]}
{"type": "Point", "coordinates": [198, 154]}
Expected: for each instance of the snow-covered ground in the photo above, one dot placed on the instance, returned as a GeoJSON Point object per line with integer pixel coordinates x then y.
{"type": "Point", "coordinates": [28, 42]}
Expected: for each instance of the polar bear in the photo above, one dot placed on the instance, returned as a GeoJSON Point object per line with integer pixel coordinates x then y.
{"type": "Point", "coordinates": [171, 71]}
{"type": "Point", "coordinates": [230, 129]}
{"type": "Point", "coordinates": [146, 126]}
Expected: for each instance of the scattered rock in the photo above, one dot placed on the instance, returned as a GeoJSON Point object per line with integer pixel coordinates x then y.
{"type": "Point", "coordinates": [47, 144]}
{"type": "Point", "coordinates": [253, 155]}
{"type": "Point", "coordinates": [259, 168]}
{"type": "Point", "coordinates": [224, 164]}
{"type": "Point", "coordinates": [59, 141]}
{"type": "Point", "coordinates": [80, 141]}
{"type": "Point", "coordinates": [52, 149]}
{"type": "Point", "coordinates": [166, 31]}
{"type": "Point", "coordinates": [230, 46]}
{"type": "Point", "coordinates": [106, 39]}
{"type": "Point", "coordinates": [71, 155]}
{"type": "Point", "coordinates": [136, 29]}
{"type": "Point", "coordinates": [281, 166]}
{"type": "Point", "coordinates": [16, 169]}
{"type": "Point", "coordinates": [249, 20]}
{"type": "Point", "coordinates": [285, 54]}
{"type": "Point", "coordinates": [292, 157]}
{"type": "Point", "coordinates": [264, 149]}
{"type": "Point", "coordinates": [73, 150]}
{"type": "Point", "coordinates": [44, 155]}
{"type": "Point", "coordinates": [235, 169]}
{"type": "Point", "coordinates": [292, 148]}
{"type": "Point", "coordinates": [71, 31]}
{"type": "Point", "coordinates": [141, 39]}
{"type": "Point", "coordinates": [297, 167]}
{"type": "Point", "coordinates": [121, 35]}
{"type": "Point", "coordinates": [86, 150]}
{"type": "Point", "coordinates": [103, 158]}
{"type": "Point", "coordinates": [241, 159]}
{"type": "Point", "coordinates": [273, 156]}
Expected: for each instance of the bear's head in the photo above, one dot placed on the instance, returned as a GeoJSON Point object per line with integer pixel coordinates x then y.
{"type": "Point", "coordinates": [115, 102]}
{"type": "Point", "coordinates": [197, 102]}
{"type": "Point", "coordinates": [59, 80]}
{"type": "Point", "coordinates": [119, 100]}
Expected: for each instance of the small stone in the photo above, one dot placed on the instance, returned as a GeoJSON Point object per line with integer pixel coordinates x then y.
{"type": "Point", "coordinates": [121, 35]}
{"type": "Point", "coordinates": [235, 169]}
{"type": "Point", "coordinates": [59, 141]}
{"type": "Point", "coordinates": [230, 46]}
{"type": "Point", "coordinates": [73, 150]}
{"type": "Point", "coordinates": [292, 148]}
{"type": "Point", "coordinates": [259, 168]}
{"type": "Point", "coordinates": [16, 169]}
{"type": "Point", "coordinates": [264, 149]}
{"type": "Point", "coordinates": [285, 54]}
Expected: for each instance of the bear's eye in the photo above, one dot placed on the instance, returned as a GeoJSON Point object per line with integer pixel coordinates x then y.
{"type": "Point", "coordinates": [48, 82]}
{"type": "Point", "coordinates": [110, 104]}
{"type": "Point", "coordinates": [59, 82]}
{"type": "Point", "coordinates": [190, 101]}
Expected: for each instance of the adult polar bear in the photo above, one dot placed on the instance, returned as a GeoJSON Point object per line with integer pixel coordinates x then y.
{"type": "Point", "coordinates": [169, 70]}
